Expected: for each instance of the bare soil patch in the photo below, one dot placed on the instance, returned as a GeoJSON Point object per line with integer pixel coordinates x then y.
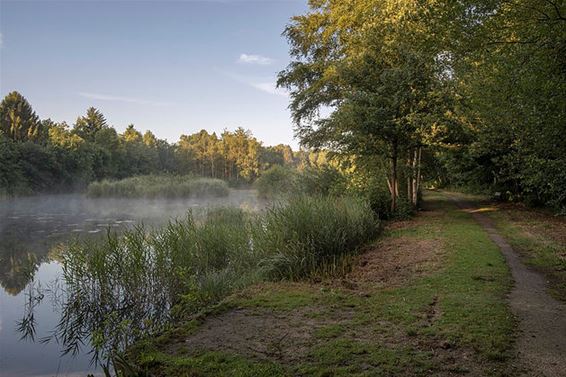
{"type": "Point", "coordinates": [285, 336]}
{"type": "Point", "coordinates": [395, 260]}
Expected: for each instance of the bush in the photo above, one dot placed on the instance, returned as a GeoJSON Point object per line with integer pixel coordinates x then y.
{"type": "Point", "coordinates": [278, 181]}
{"type": "Point", "coordinates": [153, 186]}
{"type": "Point", "coordinates": [325, 180]}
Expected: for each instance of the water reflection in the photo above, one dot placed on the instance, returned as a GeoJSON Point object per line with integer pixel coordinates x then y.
{"type": "Point", "coordinates": [34, 232]}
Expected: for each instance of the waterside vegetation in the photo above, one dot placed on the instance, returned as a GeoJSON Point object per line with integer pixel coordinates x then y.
{"type": "Point", "coordinates": [154, 186]}
{"type": "Point", "coordinates": [122, 288]}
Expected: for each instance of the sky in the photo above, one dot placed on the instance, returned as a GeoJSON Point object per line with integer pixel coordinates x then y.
{"type": "Point", "coordinates": [174, 67]}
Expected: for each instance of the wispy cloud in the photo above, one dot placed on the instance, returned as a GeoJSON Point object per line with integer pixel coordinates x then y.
{"type": "Point", "coordinates": [255, 59]}
{"type": "Point", "coordinates": [106, 97]}
{"type": "Point", "coordinates": [267, 85]}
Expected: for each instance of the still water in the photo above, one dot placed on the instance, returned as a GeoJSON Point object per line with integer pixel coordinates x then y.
{"type": "Point", "coordinates": [33, 230]}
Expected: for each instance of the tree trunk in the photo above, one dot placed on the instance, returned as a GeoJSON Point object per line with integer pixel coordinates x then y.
{"type": "Point", "coordinates": [414, 178]}
{"type": "Point", "coordinates": [394, 186]}
{"type": "Point", "coordinates": [417, 185]}
{"type": "Point", "coordinates": [410, 176]}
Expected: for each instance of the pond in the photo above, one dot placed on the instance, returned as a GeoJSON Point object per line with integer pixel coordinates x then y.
{"type": "Point", "coordinates": [33, 230]}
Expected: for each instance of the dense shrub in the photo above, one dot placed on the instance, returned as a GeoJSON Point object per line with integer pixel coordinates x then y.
{"type": "Point", "coordinates": [153, 186]}
{"type": "Point", "coordinates": [324, 180]}
{"type": "Point", "coordinates": [280, 181]}
{"type": "Point", "coordinates": [277, 181]}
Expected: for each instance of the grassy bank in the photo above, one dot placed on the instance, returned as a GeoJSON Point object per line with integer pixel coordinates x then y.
{"type": "Point", "coordinates": [429, 299]}
{"type": "Point", "coordinates": [156, 186]}
{"type": "Point", "coordinates": [125, 287]}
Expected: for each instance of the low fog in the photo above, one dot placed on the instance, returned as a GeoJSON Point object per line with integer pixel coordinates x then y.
{"type": "Point", "coordinates": [33, 227]}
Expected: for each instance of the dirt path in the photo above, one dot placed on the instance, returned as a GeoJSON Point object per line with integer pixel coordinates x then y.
{"type": "Point", "coordinates": [541, 343]}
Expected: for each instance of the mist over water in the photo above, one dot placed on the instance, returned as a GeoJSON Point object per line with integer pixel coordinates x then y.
{"type": "Point", "coordinates": [33, 230]}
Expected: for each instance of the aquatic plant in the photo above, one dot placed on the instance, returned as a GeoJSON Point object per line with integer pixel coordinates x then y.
{"type": "Point", "coordinates": [124, 287]}
{"type": "Point", "coordinates": [308, 233]}
{"type": "Point", "coordinates": [159, 186]}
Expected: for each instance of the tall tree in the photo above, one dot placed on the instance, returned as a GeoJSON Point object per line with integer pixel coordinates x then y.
{"type": "Point", "coordinates": [87, 126]}
{"type": "Point", "coordinates": [18, 121]}
{"type": "Point", "coordinates": [373, 65]}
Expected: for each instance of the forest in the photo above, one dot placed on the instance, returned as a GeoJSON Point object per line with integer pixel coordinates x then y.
{"type": "Point", "coordinates": [40, 156]}
{"type": "Point", "coordinates": [474, 91]}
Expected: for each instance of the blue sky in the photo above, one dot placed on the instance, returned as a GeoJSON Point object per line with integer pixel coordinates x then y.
{"type": "Point", "coordinates": [170, 66]}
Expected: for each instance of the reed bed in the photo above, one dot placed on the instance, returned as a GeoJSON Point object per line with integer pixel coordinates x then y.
{"type": "Point", "coordinates": [154, 186]}
{"type": "Point", "coordinates": [121, 288]}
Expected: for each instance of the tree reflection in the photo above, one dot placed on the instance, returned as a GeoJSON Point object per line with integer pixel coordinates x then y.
{"type": "Point", "coordinates": [17, 267]}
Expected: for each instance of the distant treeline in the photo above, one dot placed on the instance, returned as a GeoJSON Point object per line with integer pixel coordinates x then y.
{"type": "Point", "coordinates": [46, 156]}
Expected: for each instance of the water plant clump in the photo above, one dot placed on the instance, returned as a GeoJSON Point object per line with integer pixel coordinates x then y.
{"type": "Point", "coordinates": [311, 232]}
{"type": "Point", "coordinates": [117, 290]}
{"type": "Point", "coordinates": [157, 186]}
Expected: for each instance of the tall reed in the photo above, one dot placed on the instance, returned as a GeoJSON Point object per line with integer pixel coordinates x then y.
{"type": "Point", "coordinates": [124, 287]}
{"type": "Point", "coordinates": [310, 232]}
{"type": "Point", "coordinates": [157, 186]}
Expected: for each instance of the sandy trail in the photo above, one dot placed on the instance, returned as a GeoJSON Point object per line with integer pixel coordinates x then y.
{"type": "Point", "coordinates": [541, 342]}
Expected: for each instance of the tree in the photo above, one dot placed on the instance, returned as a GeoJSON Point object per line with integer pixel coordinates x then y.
{"type": "Point", "coordinates": [373, 64]}
{"type": "Point", "coordinates": [510, 76]}
{"type": "Point", "coordinates": [87, 126]}
{"type": "Point", "coordinates": [149, 139]}
{"type": "Point", "coordinates": [18, 121]}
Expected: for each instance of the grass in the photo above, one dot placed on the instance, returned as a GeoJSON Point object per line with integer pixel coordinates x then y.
{"type": "Point", "coordinates": [213, 364]}
{"type": "Point", "coordinates": [536, 234]}
{"type": "Point", "coordinates": [154, 186]}
{"type": "Point", "coordinates": [125, 287]}
{"type": "Point", "coordinates": [533, 234]}
{"type": "Point", "coordinates": [312, 233]}
{"type": "Point", "coordinates": [374, 330]}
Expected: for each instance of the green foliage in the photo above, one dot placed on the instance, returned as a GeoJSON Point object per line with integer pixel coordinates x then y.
{"type": "Point", "coordinates": [89, 125]}
{"type": "Point", "coordinates": [325, 180]}
{"type": "Point", "coordinates": [280, 181]}
{"type": "Point", "coordinates": [309, 232]}
{"type": "Point", "coordinates": [18, 121]}
{"type": "Point", "coordinates": [277, 181]}
{"type": "Point", "coordinates": [456, 78]}
{"type": "Point", "coordinates": [377, 68]}
{"type": "Point", "coordinates": [12, 179]}
{"type": "Point", "coordinates": [122, 288]}
{"type": "Point", "coordinates": [159, 186]}
{"type": "Point", "coordinates": [510, 84]}
{"type": "Point", "coordinates": [44, 155]}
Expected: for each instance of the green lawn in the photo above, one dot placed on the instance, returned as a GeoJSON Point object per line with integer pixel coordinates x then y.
{"type": "Point", "coordinates": [449, 319]}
